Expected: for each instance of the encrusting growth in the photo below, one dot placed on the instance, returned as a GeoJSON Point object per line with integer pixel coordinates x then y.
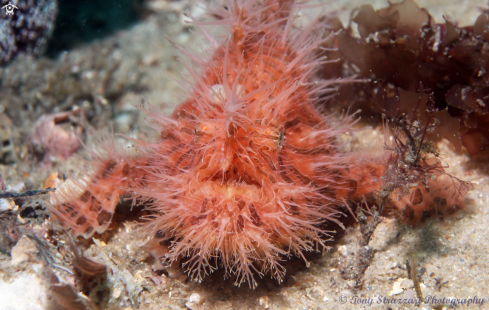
{"type": "Point", "coordinates": [246, 171]}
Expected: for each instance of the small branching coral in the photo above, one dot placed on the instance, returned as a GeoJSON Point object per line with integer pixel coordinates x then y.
{"type": "Point", "coordinates": [246, 172]}
{"type": "Point", "coordinates": [415, 179]}
{"type": "Point", "coordinates": [415, 185]}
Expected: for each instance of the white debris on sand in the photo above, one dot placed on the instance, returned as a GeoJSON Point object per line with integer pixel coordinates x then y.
{"type": "Point", "coordinates": [25, 292]}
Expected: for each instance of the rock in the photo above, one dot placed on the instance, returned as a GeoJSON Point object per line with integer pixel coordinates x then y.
{"type": "Point", "coordinates": [264, 302]}
{"type": "Point", "coordinates": [24, 250]}
{"type": "Point", "coordinates": [194, 302]}
{"type": "Point", "coordinates": [195, 298]}
{"type": "Point", "coordinates": [25, 292]}
{"type": "Point", "coordinates": [290, 281]}
{"type": "Point", "coordinates": [400, 285]}
{"type": "Point", "coordinates": [343, 250]}
{"type": "Point", "coordinates": [28, 29]}
{"type": "Point", "coordinates": [5, 205]}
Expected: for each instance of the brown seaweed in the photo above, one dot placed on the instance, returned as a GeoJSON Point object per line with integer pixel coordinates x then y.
{"type": "Point", "coordinates": [401, 53]}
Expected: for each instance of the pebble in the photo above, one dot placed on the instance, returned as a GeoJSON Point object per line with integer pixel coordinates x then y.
{"type": "Point", "coordinates": [290, 281]}
{"type": "Point", "coordinates": [5, 205]}
{"type": "Point", "coordinates": [313, 293]}
{"type": "Point", "coordinates": [194, 301]}
{"type": "Point", "coordinates": [116, 293]}
{"type": "Point", "coordinates": [343, 250]}
{"type": "Point", "coordinates": [264, 302]}
{"type": "Point", "coordinates": [194, 297]}
{"type": "Point", "coordinates": [24, 250]}
{"type": "Point", "coordinates": [400, 285]}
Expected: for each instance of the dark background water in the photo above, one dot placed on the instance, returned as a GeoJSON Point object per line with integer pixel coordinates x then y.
{"type": "Point", "coordinates": [82, 21]}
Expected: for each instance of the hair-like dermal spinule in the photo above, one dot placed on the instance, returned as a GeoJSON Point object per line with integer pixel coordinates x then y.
{"type": "Point", "coordinates": [246, 171]}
